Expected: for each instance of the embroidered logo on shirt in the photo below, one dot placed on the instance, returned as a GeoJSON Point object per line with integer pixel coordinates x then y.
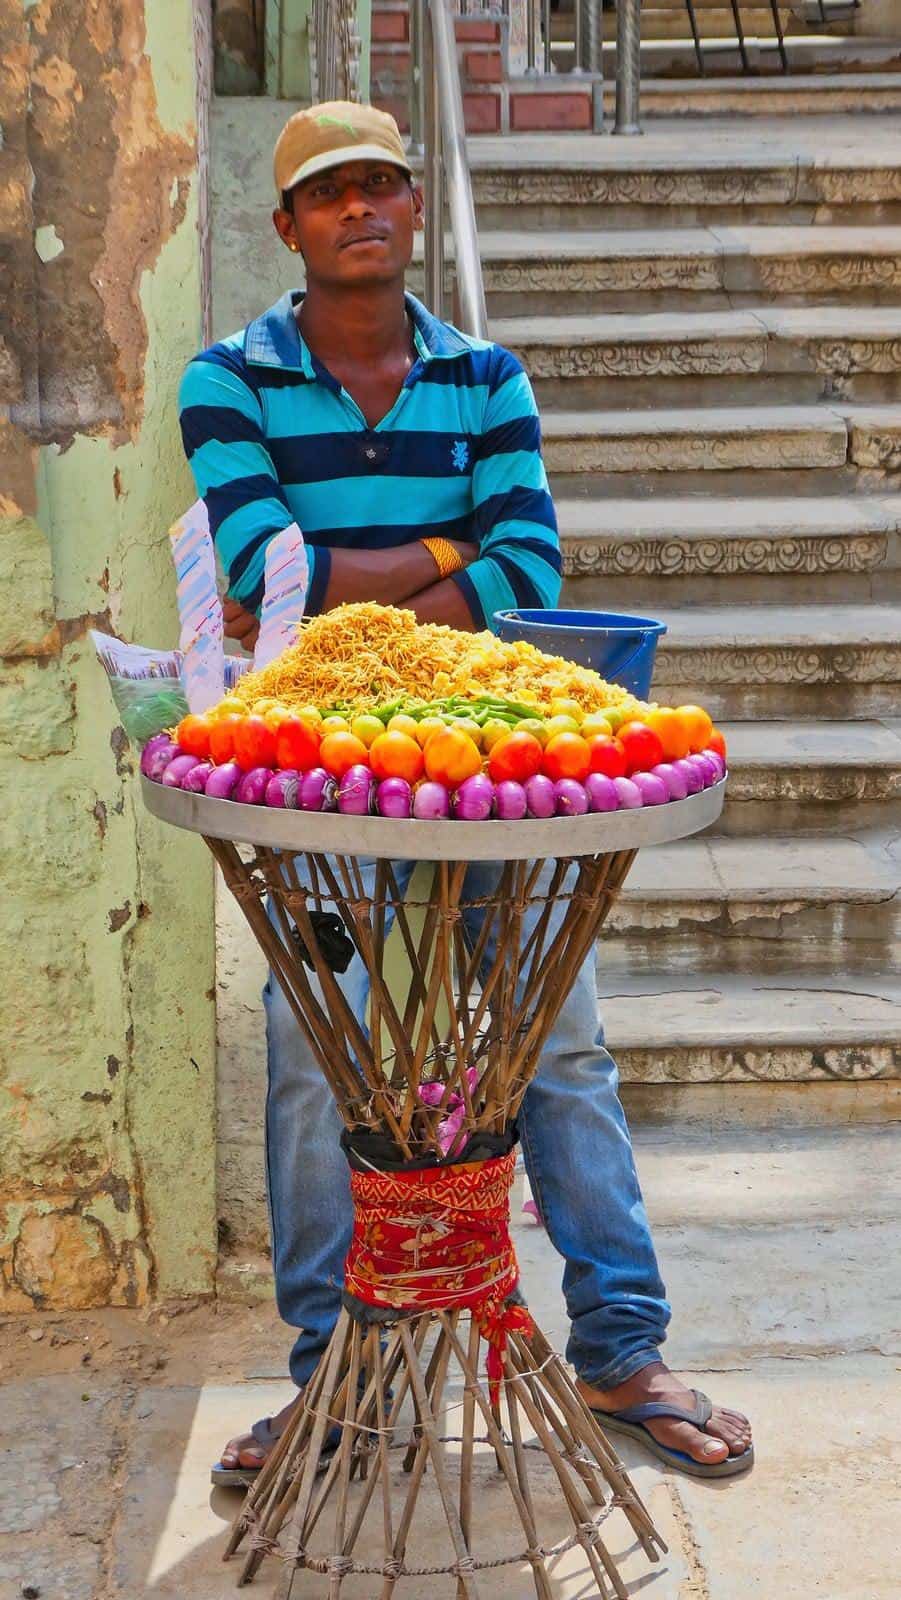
{"type": "Point", "coordinates": [460, 455]}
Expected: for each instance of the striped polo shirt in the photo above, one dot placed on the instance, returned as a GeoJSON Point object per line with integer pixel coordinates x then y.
{"type": "Point", "coordinates": [273, 438]}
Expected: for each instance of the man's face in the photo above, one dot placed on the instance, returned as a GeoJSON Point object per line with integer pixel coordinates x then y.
{"type": "Point", "coordinates": [354, 224]}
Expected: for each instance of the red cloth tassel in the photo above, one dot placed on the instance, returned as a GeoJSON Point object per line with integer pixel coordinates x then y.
{"type": "Point", "coordinates": [438, 1238]}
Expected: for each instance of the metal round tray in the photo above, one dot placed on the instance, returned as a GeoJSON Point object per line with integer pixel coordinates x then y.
{"type": "Point", "coordinates": [330, 832]}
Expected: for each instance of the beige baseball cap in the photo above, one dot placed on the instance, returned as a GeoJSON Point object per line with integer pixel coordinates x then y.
{"type": "Point", "coordinates": [328, 135]}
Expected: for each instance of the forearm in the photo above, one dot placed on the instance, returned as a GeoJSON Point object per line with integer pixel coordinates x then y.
{"type": "Point", "coordinates": [390, 577]}
{"type": "Point", "coordinates": [443, 602]}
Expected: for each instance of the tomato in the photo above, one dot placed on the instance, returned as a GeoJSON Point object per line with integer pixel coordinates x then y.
{"type": "Point", "coordinates": [607, 755]}
{"type": "Point", "coordinates": [451, 757]}
{"type": "Point", "coordinates": [427, 727]}
{"type": "Point", "coordinates": [296, 745]}
{"type": "Point", "coordinates": [517, 757]}
{"type": "Point", "coordinates": [697, 724]}
{"type": "Point", "coordinates": [341, 750]}
{"type": "Point", "coordinates": [222, 737]}
{"type": "Point", "coordinates": [254, 743]}
{"type": "Point", "coordinates": [670, 730]}
{"type": "Point", "coordinates": [567, 755]}
{"type": "Point", "coordinates": [716, 742]}
{"type": "Point", "coordinates": [641, 745]}
{"type": "Point", "coordinates": [193, 735]}
{"type": "Point", "coordinates": [395, 755]}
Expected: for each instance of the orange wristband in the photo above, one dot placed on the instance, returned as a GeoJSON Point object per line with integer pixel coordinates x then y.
{"type": "Point", "coordinates": [446, 558]}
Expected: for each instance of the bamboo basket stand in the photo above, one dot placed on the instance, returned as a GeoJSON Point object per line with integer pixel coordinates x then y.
{"type": "Point", "coordinates": [485, 986]}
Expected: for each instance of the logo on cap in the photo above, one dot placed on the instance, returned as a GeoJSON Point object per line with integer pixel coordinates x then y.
{"type": "Point", "coordinates": [325, 121]}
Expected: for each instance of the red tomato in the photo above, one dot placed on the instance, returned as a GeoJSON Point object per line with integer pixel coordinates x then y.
{"type": "Point", "coordinates": [717, 742]}
{"type": "Point", "coordinates": [641, 747]}
{"type": "Point", "coordinates": [254, 743]}
{"type": "Point", "coordinates": [193, 735]}
{"type": "Point", "coordinates": [607, 755]}
{"type": "Point", "coordinates": [567, 755]}
{"type": "Point", "coordinates": [517, 756]}
{"type": "Point", "coordinates": [222, 737]}
{"type": "Point", "coordinates": [296, 745]}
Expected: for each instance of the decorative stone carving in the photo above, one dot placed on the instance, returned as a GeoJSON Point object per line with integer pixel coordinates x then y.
{"type": "Point", "coordinates": [604, 274]}
{"type": "Point", "coordinates": [843, 273]}
{"type": "Point", "coordinates": [844, 356]}
{"type": "Point", "coordinates": [853, 185]}
{"type": "Point", "coordinates": [814, 785]}
{"type": "Point", "coordinates": [722, 556]}
{"type": "Point", "coordinates": [872, 448]}
{"type": "Point", "coordinates": [634, 359]}
{"type": "Point", "coordinates": [783, 1063]}
{"type": "Point", "coordinates": [685, 452]}
{"type": "Point", "coordinates": [560, 186]}
{"type": "Point", "coordinates": [768, 664]}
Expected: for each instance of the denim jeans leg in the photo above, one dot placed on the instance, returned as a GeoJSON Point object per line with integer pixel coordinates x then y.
{"type": "Point", "coordinates": [306, 1171]}
{"type": "Point", "coordinates": [579, 1159]}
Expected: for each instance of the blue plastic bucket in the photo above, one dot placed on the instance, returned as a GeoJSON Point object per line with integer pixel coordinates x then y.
{"type": "Point", "coordinates": [619, 647]}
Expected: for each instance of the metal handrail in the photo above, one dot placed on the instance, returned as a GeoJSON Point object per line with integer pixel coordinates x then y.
{"type": "Point", "coordinates": [438, 129]}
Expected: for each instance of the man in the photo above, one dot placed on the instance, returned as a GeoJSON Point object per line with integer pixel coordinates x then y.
{"type": "Point", "coordinates": [409, 455]}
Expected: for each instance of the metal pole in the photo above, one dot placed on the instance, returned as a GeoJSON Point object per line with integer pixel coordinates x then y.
{"type": "Point", "coordinates": [449, 98]}
{"type": "Point", "coordinates": [589, 36]}
{"type": "Point", "coordinates": [532, 30]}
{"type": "Point", "coordinates": [628, 66]}
{"type": "Point", "coordinates": [417, 77]}
{"type": "Point", "coordinates": [433, 171]}
{"type": "Point", "coordinates": [546, 26]}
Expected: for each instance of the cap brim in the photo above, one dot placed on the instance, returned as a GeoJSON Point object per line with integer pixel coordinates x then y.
{"type": "Point", "coordinates": [340, 158]}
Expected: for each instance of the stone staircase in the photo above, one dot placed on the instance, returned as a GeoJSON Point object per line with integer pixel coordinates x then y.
{"type": "Point", "coordinates": [713, 329]}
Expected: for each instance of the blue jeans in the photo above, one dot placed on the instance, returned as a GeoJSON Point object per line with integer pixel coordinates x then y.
{"type": "Point", "coordinates": [578, 1157]}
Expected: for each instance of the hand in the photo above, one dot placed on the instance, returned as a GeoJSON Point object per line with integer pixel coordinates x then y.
{"type": "Point", "coordinates": [240, 624]}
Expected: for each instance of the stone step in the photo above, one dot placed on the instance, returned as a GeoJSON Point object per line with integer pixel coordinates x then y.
{"type": "Point", "coordinates": [674, 551]}
{"type": "Point", "coordinates": [655, 358]}
{"type": "Point", "coordinates": [666, 1028]}
{"type": "Point", "coordinates": [808, 53]}
{"type": "Point", "coordinates": [782, 662]}
{"type": "Point", "coordinates": [812, 777]}
{"type": "Point", "coordinates": [722, 266]}
{"type": "Point", "coordinates": [796, 94]}
{"type": "Point", "coordinates": [794, 170]}
{"type": "Point", "coordinates": [755, 905]}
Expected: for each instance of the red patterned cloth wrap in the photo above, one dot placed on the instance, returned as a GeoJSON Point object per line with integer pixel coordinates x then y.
{"type": "Point", "coordinates": [437, 1238]}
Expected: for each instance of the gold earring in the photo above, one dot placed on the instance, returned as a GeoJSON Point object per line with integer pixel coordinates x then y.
{"type": "Point", "coordinates": [293, 246]}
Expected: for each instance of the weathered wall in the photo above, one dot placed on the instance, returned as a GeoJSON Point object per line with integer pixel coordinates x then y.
{"type": "Point", "coordinates": [107, 1026]}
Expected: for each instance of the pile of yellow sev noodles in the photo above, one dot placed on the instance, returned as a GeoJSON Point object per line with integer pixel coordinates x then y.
{"type": "Point", "coordinates": [365, 654]}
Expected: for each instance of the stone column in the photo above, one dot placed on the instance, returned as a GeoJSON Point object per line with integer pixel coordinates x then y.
{"type": "Point", "coordinates": [107, 1023]}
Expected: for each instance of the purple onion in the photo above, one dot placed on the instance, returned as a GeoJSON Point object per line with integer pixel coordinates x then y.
{"type": "Point", "coordinates": [653, 790]}
{"type": "Point", "coordinates": [474, 799]}
{"type": "Point", "coordinates": [601, 792]}
{"type": "Point", "coordinates": [627, 793]}
{"type": "Point", "coordinates": [177, 769]}
{"type": "Point", "coordinates": [251, 789]}
{"type": "Point", "coordinates": [540, 796]}
{"type": "Point", "coordinates": [705, 767]}
{"type": "Point", "coordinates": [159, 759]}
{"type": "Point", "coordinates": [282, 789]}
{"type": "Point", "coordinates": [356, 791]}
{"type": "Point", "coordinates": [694, 780]}
{"type": "Point", "coordinates": [221, 782]}
{"type": "Point", "coordinates": [718, 763]}
{"type": "Point", "coordinates": [195, 781]}
{"type": "Point", "coordinates": [394, 798]}
{"type": "Point", "coordinates": [318, 791]}
{"type": "Point", "coordinates": [571, 798]}
{"type": "Point", "coordinates": [431, 802]}
{"type": "Point", "coordinates": [510, 803]}
{"type": "Point", "coordinates": [676, 786]}
{"type": "Point", "coordinates": [150, 749]}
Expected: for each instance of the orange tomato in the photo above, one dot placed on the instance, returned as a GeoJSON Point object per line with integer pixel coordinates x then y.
{"type": "Point", "coordinates": [567, 755]}
{"type": "Point", "coordinates": [296, 745]}
{"type": "Point", "coordinates": [396, 755]}
{"type": "Point", "coordinates": [518, 757]}
{"type": "Point", "coordinates": [716, 742]}
{"type": "Point", "coordinates": [222, 737]}
{"type": "Point", "coordinates": [340, 751]}
{"type": "Point", "coordinates": [698, 726]}
{"type": "Point", "coordinates": [427, 727]}
{"type": "Point", "coordinates": [254, 743]}
{"type": "Point", "coordinates": [193, 735]}
{"type": "Point", "coordinates": [451, 757]}
{"type": "Point", "coordinates": [670, 729]}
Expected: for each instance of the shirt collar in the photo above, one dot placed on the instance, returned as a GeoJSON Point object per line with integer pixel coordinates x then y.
{"type": "Point", "coordinates": [273, 340]}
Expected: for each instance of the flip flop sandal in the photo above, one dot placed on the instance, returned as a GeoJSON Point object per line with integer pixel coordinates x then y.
{"type": "Point", "coordinates": [631, 1419]}
{"type": "Point", "coordinates": [242, 1477]}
